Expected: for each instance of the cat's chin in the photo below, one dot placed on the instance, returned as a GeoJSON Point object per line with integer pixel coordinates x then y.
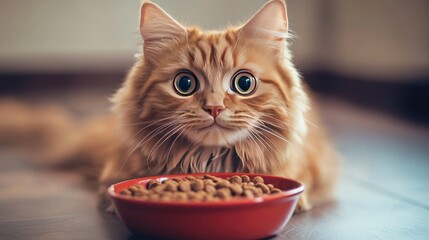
{"type": "Point", "coordinates": [216, 136]}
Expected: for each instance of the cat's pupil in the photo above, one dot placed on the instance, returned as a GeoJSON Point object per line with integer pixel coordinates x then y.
{"type": "Point", "coordinates": [184, 84]}
{"type": "Point", "coordinates": [244, 83]}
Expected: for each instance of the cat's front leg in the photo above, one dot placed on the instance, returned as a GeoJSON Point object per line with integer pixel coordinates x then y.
{"type": "Point", "coordinates": [112, 173]}
{"type": "Point", "coordinates": [104, 201]}
{"type": "Point", "coordinates": [303, 204]}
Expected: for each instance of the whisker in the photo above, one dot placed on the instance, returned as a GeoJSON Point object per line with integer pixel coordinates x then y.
{"type": "Point", "coordinates": [177, 137]}
{"type": "Point", "coordinates": [260, 137]}
{"type": "Point", "coordinates": [150, 121]}
{"type": "Point", "coordinates": [270, 123]}
{"type": "Point", "coordinates": [166, 128]}
{"type": "Point", "coordinates": [270, 131]}
{"type": "Point", "coordinates": [164, 138]}
{"type": "Point", "coordinates": [140, 143]}
{"type": "Point", "coordinates": [259, 150]}
{"type": "Point", "coordinates": [308, 121]}
{"type": "Point", "coordinates": [153, 133]}
{"type": "Point", "coordinates": [262, 140]}
{"type": "Point", "coordinates": [155, 122]}
{"type": "Point", "coordinates": [278, 136]}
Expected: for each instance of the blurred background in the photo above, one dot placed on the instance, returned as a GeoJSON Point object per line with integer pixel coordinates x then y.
{"type": "Point", "coordinates": [367, 62]}
{"type": "Point", "coordinates": [371, 53]}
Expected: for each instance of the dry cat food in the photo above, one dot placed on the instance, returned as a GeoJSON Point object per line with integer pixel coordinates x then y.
{"type": "Point", "coordinates": [203, 188]}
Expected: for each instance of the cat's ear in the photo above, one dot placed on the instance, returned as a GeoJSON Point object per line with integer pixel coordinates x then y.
{"type": "Point", "coordinates": [156, 25]}
{"type": "Point", "coordinates": [269, 24]}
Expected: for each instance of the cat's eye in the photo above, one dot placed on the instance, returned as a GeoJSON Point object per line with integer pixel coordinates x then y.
{"type": "Point", "coordinates": [185, 83]}
{"type": "Point", "coordinates": [243, 83]}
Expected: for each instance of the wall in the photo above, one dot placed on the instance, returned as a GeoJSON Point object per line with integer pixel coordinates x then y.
{"type": "Point", "coordinates": [386, 39]}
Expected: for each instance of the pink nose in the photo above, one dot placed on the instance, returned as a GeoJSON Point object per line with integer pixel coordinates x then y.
{"type": "Point", "coordinates": [214, 110]}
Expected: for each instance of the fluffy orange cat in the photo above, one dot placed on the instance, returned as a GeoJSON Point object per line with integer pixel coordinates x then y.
{"type": "Point", "coordinates": [195, 101]}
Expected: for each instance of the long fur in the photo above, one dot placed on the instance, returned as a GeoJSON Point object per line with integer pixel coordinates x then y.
{"type": "Point", "coordinates": [155, 131]}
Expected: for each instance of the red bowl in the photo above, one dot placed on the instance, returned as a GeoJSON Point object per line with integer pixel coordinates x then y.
{"type": "Point", "coordinates": [234, 219]}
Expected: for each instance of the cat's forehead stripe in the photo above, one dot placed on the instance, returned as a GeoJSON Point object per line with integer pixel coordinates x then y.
{"type": "Point", "coordinates": [212, 47]}
{"type": "Point", "coordinates": [201, 48]}
{"type": "Point", "coordinates": [213, 54]}
{"type": "Point", "coordinates": [230, 37]}
{"type": "Point", "coordinates": [210, 54]}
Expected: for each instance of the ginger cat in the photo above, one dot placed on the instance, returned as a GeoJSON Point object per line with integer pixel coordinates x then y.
{"type": "Point", "coordinates": [195, 101]}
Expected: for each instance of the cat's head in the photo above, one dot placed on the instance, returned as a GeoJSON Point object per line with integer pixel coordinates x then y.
{"type": "Point", "coordinates": [214, 89]}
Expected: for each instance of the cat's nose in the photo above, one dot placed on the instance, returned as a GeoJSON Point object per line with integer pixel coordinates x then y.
{"type": "Point", "coordinates": [214, 110]}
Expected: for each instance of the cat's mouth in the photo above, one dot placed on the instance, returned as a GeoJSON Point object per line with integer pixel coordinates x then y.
{"type": "Point", "coordinates": [216, 134]}
{"type": "Point", "coordinates": [214, 126]}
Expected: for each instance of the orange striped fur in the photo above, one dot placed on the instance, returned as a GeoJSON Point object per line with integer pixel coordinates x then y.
{"type": "Point", "coordinates": [153, 130]}
{"type": "Point", "coordinates": [275, 130]}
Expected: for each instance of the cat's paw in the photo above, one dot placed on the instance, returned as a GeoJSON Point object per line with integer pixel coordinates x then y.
{"type": "Point", "coordinates": [110, 208]}
{"type": "Point", "coordinates": [303, 205]}
{"type": "Point", "coordinates": [106, 205]}
{"type": "Point", "coordinates": [104, 201]}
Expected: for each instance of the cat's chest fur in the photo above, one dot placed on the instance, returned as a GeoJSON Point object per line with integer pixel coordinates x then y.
{"type": "Point", "coordinates": [193, 160]}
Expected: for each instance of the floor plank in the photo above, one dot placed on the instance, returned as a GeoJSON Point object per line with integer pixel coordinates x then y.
{"type": "Point", "coordinates": [384, 154]}
{"type": "Point", "coordinates": [360, 212]}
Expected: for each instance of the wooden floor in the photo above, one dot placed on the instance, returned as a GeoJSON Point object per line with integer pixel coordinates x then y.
{"type": "Point", "coordinates": [383, 192]}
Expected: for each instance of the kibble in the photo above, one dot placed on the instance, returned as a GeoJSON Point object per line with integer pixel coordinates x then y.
{"type": "Point", "coordinates": [210, 177]}
{"type": "Point", "coordinates": [245, 178]}
{"type": "Point", "coordinates": [275, 190]}
{"type": "Point", "coordinates": [223, 193]}
{"type": "Point", "coordinates": [210, 189]}
{"type": "Point", "coordinates": [178, 180]}
{"type": "Point", "coordinates": [180, 196]}
{"type": "Point", "coordinates": [258, 192]}
{"type": "Point", "coordinates": [139, 194]}
{"type": "Point", "coordinates": [248, 193]}
{"type": "Point", "coordinates": [159, 188]}
{"type": "Point", "coordinates": [222, 184]}
{"type": "Point", "coordinates": [135, 188]}
{"type": "Point", "coordinates": [235, 179]}
{"type": "Point", "coordinates": [185, 186]}
{"type": "Point", "coordinates": [201, 188]}
{"type": "Point", "coordinates": [190, 178]}
{"type": "Point", "coordinates": [171, 187]}
{"type": "Point", "coordinates": [125, 192]}
{"type": "Point", "coordinates": [153, 183]}
{"type": "Point", "coordinates": [258, 179]}
{"type": "Point", "coordinates": [197, 185]}
{"type": "Point", "coordinates": [208, 182]}
{"type": "Point", "coordinates": [236, 189]}
{"type": "Point", "coordinates": [263, 187]}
